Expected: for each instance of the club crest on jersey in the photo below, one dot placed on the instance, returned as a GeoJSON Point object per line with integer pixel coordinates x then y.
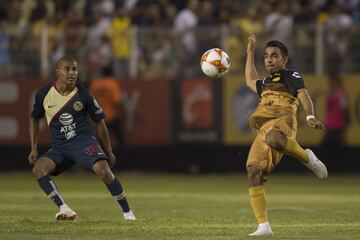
{"type": "Point", "coordinates": [68, 127]}
{"type": "Point", "coordinates": [275, 79]}
{"type": "Point", "coordinates": [78, 106]}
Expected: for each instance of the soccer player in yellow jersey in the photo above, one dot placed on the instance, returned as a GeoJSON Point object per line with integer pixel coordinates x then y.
{"type": "Point", "coordinates": [274, 120]}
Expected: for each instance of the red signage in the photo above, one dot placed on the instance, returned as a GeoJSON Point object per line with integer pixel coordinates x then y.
{"type": "Point", "coordinates": [16, 109]}
{"type": "Point", "coordinates": [197, 108]}
{"type": "Point", "coordinates": [147, 105]}
{"type": "Point", "coordinates": [148, 115]}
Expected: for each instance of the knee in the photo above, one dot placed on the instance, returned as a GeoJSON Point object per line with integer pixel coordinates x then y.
{"type": "Point", "coordinates": [255, 175]}
{"type": "Point", "coordinates": [39, 170]}
{"type": "Point", "coordinates": [102, 170]}
{"type": "Point", "coordinates": [276, 140]}
{"type": "Point", "coordinates": [254, 171]}
{"type": "Point", "coordinates": [43, 167]}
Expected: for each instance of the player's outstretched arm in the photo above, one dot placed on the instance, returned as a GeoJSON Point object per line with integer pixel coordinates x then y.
{"type": "Point", "coordinates": [103, 134]}
{"type": "Point", "coordinates": [308, 106]}
{"type": "Point", "coordinates": [34, 138]}
{"type": "Point", "coordinates": [251, 74]}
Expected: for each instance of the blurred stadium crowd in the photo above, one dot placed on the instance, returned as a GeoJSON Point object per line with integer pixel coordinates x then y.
{"type": "Point", "coordinates": [165, 38]}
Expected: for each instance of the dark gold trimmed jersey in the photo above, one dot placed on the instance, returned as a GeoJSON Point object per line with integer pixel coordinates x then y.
{"type": "Point", "coordinates": [286, 80]}
{"type": "Point", "coordinates": [277, 98]}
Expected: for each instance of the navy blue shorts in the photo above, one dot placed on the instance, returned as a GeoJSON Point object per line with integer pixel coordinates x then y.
{"type": "Point", "coordinates": [84, 152]}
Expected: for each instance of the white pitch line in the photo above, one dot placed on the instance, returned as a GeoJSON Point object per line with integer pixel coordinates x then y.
{"type": "Point", "coordinates": [228, 225]}
{"type": "Point", "coordinates": [299, 209]}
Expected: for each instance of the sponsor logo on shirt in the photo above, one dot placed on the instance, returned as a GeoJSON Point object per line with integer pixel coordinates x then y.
{"type": "Point", "coordinates": [68, 127]}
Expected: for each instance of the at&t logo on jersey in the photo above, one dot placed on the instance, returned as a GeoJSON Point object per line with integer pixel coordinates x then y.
{"type": "Point", "coordinates": [68, 127]}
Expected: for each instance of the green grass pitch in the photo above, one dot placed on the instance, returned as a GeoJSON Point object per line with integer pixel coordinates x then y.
{"type": "Point", "coordinates": [181, 207]}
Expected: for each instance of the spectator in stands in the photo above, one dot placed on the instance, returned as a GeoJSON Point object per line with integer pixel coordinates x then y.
{"type": "Point", "coordinates": [337, 39]}
{"type": "Point", "coordinates": [249, 22]}
{"type": "Point", "coordinates": [37, 20]}
{"type": "Point", "coordinates": [106, 6]}
{"type": "Point", "coordinates": [208, 33]}
{"type": "Point", "coordinates": [224, 16]}
{"type": "Point", "coordinates": [170, 12]}
{"type": "Point", "coordinates": [185, 22]}
{"type": "Point", "coordinates": [304, 35]}
{"type": "Point", "coordinates": [242, 26]}
{"type": "Point", "coordinates": [207, 14]}
{"type": "Point", "coordinates": [74, 35]}
{"type": "Point", "coordinates": [164, 60]}
{"type": "Point", "coordinates": [152, 16]}
{"type": "Point", "coordinates": [105, 52]}
{"type": "Point", "coordinates": [94, 39]}
{"type": "Point", "coordinates": [348, 5]}
{"type": "Point", "coordinates": [337, 119]}
{"type": "Point", "coordinates": [119, 33]}
{"type": "Point", "coordinates": [108, 92]}
{"type": "Point", "coordinates": [95, 17]}
{"type": "Point", "coordinates": [4, 49]}
{"type": "Point", "coordinates": [278, 24]}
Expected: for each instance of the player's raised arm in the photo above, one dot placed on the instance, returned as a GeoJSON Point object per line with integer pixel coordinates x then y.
{"type": "Point", "coordinates": [251, 74]}
{"type": "Point", "coordinates": [308, 106]}
{"type": "Point", "coordinates": [34, 138]}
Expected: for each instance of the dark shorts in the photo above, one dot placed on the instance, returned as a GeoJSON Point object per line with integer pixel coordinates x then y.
{"type": "Point", "coordinates": [84, 152]}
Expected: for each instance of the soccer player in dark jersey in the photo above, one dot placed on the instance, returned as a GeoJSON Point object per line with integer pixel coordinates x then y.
{"type": "Point", "coordinates": [274, 120]}
{"type": "Point", "coordinates": [66, 105]}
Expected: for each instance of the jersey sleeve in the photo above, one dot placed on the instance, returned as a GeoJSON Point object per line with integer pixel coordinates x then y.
{"type": "Point", "coordinates": [95, 111]}
{"type": "Point", "coordinates": [294, 82]}
{"type": "Point", "coordinates": [38, 110]}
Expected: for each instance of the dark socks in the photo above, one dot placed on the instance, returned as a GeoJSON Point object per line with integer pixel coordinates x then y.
{"type": "Point", "coordinates": [49, 187]}
{"type": "Point", "coordinates": [118, 193]}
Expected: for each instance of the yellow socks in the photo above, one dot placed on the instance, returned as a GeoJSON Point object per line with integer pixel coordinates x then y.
{"type": "Point", "coordinates": [258, 203]}
{"type": "Point", "coordinates": [293, 149]}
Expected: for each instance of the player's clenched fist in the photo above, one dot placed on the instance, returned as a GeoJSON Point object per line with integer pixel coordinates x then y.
{"type": "Point", "coordinates": [33, 156]}
{"type": "Point", "coordinates": [112, 159]}
{"type": "Point", "coordinates": [314, 123]}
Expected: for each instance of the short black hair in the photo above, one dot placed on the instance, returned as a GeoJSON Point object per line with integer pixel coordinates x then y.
{"type": "Point", "coordinates": [275, 43]}
{"type": "Point", "coordinates": [63, 60]}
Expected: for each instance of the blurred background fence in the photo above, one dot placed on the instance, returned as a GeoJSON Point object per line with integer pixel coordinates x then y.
{"type": "Point", "coordinates": [174, 117]}
{"type": "Point", "coordinates": [161, 52]}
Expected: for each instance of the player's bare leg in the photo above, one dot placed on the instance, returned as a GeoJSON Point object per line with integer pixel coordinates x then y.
{"type": "Point", "coordinates": [257, 196]}
{"type": "Point", "coordinates": [42, 170]}
{"type": "Point", "coordinates": [289, 146]}
{"type": "Point", "coordinates": [102, 169]}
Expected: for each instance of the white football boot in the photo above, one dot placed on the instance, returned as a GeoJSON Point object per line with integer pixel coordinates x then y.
{"type": "Point", "coordinates": [316, 165]}
{"type": "Point", "coordinates": [263, 229]}
{"type": "Point", "coordinates": [129, 215]}
{"type": "Point", "coordinates": [66, 213]}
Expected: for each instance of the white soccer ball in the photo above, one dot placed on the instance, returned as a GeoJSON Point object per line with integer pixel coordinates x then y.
{"type": "Point", "coordinates": [215, 62]}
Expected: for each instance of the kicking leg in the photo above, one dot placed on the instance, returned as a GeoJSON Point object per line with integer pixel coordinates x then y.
{"type": "Point", "coordinates": [42, 170]}
{"type": "Point", "coordinates": [289, 146]}
{"type": "Point", "coordinates": [102, 169]}
{"type": "Point", "coordinates": [257, 196]}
